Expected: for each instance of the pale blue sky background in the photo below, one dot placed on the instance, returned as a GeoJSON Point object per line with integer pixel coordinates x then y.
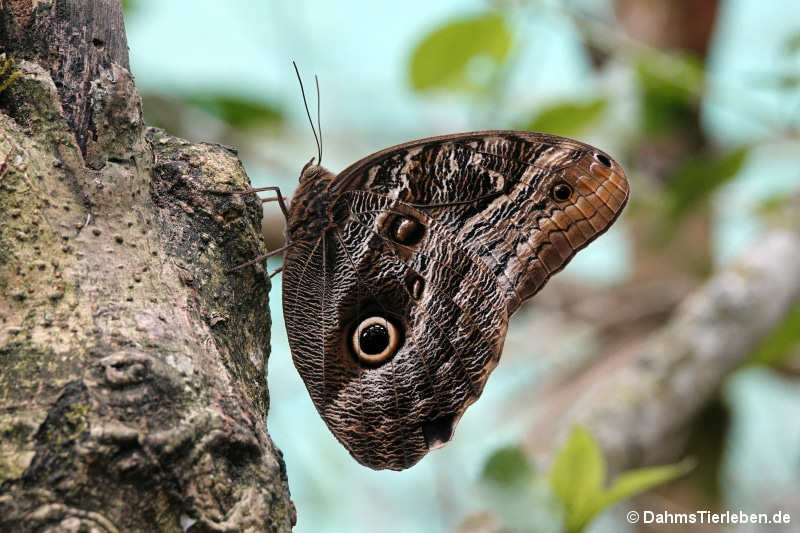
{"type": "Point", "coordinates": [360, 49]}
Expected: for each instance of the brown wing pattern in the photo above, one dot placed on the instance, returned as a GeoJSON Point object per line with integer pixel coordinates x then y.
{"type": "Point", "coordinates": [492, 215]}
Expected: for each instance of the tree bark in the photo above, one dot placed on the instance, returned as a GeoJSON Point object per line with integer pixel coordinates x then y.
{"type": "Point", "coordinates": [132, 368]}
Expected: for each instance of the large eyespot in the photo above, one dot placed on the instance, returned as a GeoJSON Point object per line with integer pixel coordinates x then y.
{"type": "Point", "coordinates": [561, 192]}
{"type": "Point", "coordinates": [375, 340]}
{"type": "Point", "coordinates": [405, 230]}
{"type": "Point", "coordinates": [604, 160]}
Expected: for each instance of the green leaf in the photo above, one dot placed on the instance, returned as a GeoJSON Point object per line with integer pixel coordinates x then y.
{"type": "Point", "coordinates": [175, 112]}
{"type": "Point", "coordinates": [781, 342]}
{"type": "Point", "coordinates": [641, 480]}
{"type": "Point", "coordinates": [578, 476]}
{"type": "Point", "coordinates": [698, 177]}
{"type": "Point", "coordinates": [578, 480]}
{"type": "Point", "coordinates": [568, 118]}
{"type": "Point", "coordinates": [671, 86]}
{"type": "Point", "coordinates": [462, 54]}
{"type": "Point", "coordinates": [507, 467]}
{"type": "Point", "coordinates": [238, 111]}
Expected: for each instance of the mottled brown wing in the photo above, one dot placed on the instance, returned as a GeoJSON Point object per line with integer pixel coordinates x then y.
{"type": "Point", "coordinates": [443, 238]}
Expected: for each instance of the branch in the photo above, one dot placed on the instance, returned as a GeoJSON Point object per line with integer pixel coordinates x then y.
{"type": "Point", "coordinates": [640, 404]}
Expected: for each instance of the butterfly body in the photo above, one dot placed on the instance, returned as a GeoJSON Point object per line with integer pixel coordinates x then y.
{"type": "Point", "coordinates": [405, 268]}
{"type": "Point", "coordinates": [310, 213]}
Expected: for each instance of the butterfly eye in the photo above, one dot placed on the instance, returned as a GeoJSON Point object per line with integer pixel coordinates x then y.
{"type": "Point", "coordinates": [561, 192]}
{"type": "Point", "coordinates": [306, 173]}
{"type": "Point", "coordinates": [375, 340]}
{"type": "Point", "coordinates": [604, 160]}
{"type": "Point", "coordinates": [406, 231]}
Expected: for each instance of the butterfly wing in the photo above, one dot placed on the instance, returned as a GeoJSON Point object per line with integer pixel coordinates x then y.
{"type": "Point", "coordinates": [443, 238]}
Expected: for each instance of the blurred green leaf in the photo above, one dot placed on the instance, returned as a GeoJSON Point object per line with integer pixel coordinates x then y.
{"type": "Point", "coordinates": [779, 80]}
{"type": "Point", "coordinates": [507, 467]}
{"type": "Point", "coordinates": [238, 111]}
{"type": "Point", "coordinates": [774, 203]}
{"type": "Point", "coordinates": [578, 478]}
{"type": "Point", "coordinates": [789, 81]}
{"type": "Point", "coordinates": [671, 86]}
{"type": "Point", "coordinates": [516, 495]}
{"type": "Point", "coordinates": [450, 56]}
{"type": "Point", "coordinates": [792, 43]}
{"type": "Point", "coordinates": [698, 177]}
{"type": "Point", "coordinates": [129, 6]}
{"type": "Point", "coordinates": [781, 342]}
{"type": "Point", "coordinates": [640, 480]}
{"type": "Point", "coordinates": [568, 118]}
{"type": "Point", "coordinates": [174, 112]}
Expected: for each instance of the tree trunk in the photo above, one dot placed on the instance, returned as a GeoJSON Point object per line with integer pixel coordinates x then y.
{"type": "Point", "coordinates": [132, 368]}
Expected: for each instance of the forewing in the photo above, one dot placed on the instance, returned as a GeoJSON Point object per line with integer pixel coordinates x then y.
{"type": "Point", "coordinates": [493, 191]}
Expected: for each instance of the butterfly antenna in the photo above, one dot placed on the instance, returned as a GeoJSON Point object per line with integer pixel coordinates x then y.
{"type": "Point", "coordinates": [319, 125]}
{"type": "Point", "coordinates": [308, 113]}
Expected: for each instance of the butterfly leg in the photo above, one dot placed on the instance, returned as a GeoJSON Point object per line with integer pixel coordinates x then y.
{"type": "Point", "coordinates": [278, 196]}
{"type": "Point", "coordinates": [261, 258]}
{"type": "Point", "coordinates": [281, 201]}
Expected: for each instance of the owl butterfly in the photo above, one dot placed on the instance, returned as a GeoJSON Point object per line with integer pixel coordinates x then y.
{"type": "Point", "coordinates": [401, 273]}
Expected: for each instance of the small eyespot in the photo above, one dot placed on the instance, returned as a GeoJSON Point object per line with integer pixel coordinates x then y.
{"type": "Point", "coordinates": [375, 340]}
{"type": "Point", "coordinates": [561, 192]}
{"type": "Point", "coordinates": [406, 231]}
{"type": "Point", "coordinates": [604, 160]}
{"type": "Point", "coordinates": [415, 285]}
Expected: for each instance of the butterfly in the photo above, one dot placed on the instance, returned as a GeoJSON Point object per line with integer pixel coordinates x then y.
{"type": "Point", "coordinates": [402, 271]}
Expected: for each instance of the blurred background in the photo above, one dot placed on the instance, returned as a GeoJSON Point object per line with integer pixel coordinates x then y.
{"type": "Point", "coordinates": [697, 99]}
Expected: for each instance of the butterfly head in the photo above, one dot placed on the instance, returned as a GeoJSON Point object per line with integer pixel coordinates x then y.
{"type": "Point", "coordinates": [312, 171]}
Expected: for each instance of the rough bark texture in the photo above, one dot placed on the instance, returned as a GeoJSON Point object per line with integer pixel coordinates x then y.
{"type": "Point", "coordinates": [132, 368]}
{"type": "Point", "coordinates": [639, 403]}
